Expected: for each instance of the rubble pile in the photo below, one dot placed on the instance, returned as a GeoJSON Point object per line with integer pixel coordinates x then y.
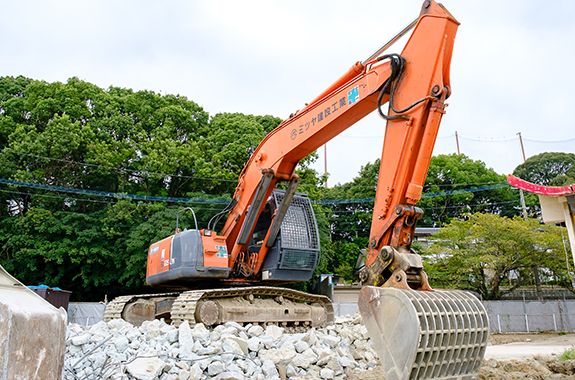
{"type": "Point", "coordinates": [156, 350]}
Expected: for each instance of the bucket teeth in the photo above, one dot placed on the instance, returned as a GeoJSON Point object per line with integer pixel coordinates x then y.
{"type": "Point", "coordinates": [424, 334]}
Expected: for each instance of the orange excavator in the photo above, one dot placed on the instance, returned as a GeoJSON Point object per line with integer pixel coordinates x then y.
{"type": "Point", "coordinates": [270, 236]}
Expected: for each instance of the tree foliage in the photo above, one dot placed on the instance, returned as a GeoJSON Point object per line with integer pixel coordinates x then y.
{"type": "Point", "coordinates": [492, 255]}
{"type": "Point", "coordinates": [548, 169]}
{"type": "Point", "coordinates": [452, 179]}
{"type": "Point", "coordinates": [115, 140]}
{"type": "Point", "coordinates": [455, 185]}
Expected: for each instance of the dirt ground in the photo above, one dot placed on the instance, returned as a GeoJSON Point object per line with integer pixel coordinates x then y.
{"type": "Point", "coordinates": [496, 339]}
{"type": "Point", "coordinates": [538, 368]}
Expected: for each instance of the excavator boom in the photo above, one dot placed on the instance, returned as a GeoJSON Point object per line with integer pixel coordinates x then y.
{"type": "Point", "coordinates": [416, 83]}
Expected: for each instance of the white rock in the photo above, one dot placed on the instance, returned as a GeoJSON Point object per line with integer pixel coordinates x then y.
{"type": "Point", "coordinates": [77, 329]}
{"type": "Point", "coordinates": [372, 364]}
{"type": "Point", "coordinates": [243, 343]}
{"type": "Point", "coordinates": [310, 337]}
{"type": "Point", "coordinates": [274, 332]}
{"type": "Point", "coordinates": [344, 361]}
{"type": "Point", "coordinates": [146, 368]}
{"type": "Point", "coordinates": [306, 355]}
{"type": "Point", "coordinates": [233, 368]}
{"type": "Point", "coordinates": [364, 345]}
{"type": "Point", "coordinates": [291, 371]}
{"type": "Point", "coordinates": [119, 324]}
{"type": "Point", "coordinates": [277, 356]}
{"type": "Point", "coordinates": [72, 350]}
{"type": "Point", "coordinates": [267, 341]}
{"type": "Point", "coordinates": [98, 359]}
{"type": "Point", "coordinates": [183, 365]}
{"type": "Point", "coordinates": [183, 375]}
{"type": "Point", "coordinates": [133, 334]}
{"type": "Point", "coordinates": [100, 328]}
{"type": "Point", "coordinates": [81, 340]}
{"type": "Point", "coordinates": [301, 361]}
{"type": "Point", "coordinates": [197, 346]}
{"type": "Point", "coordinates": [172, 335]}
{"type": "Point", "coordinates": [329, 340]}
{"type": "Point", "coordinates": [135, 345]}
{"type": "Point", "coordinates": [216, 367]}
{"type": "Point", "coordinates": [251, 368]}
{"type": "Point", "coordinates": [255, 330]}
{"type": "Point", "coordinates": [204, 363]}
{"type": "Point", "coordinates": [121, 343]}
{"type": "Point", "coordinates": [229, 345]}
{"type": "Point", "coordinates": [334, 365]}
{"type": "Point", "coordinates": [185, 339]}
{"type": "Point", "coordinates": [313, 373]}
{"type": "Point", "coordinates": [228, 375]}
{"type": "Point", "coordinates": [227, 358]}
{"type": "Point", "coordinates": [362, 331]}
{"type": "Point", "coordinates": [301, 346]}
{"type": "Point", "coordinates": [324, 356]}
{"type": "Point", "coordinates": [196, 372]}
{"type": "Point", "coordinates": [326, 373]}
{"type": "Point", "coordinates": [243, 335]}
{"type": "Point", "coordinates": [202, 334]}
{"type": "Point", "coordinates": [236, 326]}
{"type": "Point", "coordinates": [269, 369]}
{"type": "Point", "coordinates": [154, 331]}
{"type": "Point", "coordinates": [310, 355]}
{"type": "Point", "coordinates": [213, 348]}
{"type": "Point", "coordinates": [288, 345]}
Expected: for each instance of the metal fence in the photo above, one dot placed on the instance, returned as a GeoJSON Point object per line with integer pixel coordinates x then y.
{"type": "Point", "coordinates": [513, 316]}
{"type": "Point", "coordinates": [504, 316]}
{"type": "Point", "coordinates": [530, 316]}
{"type": "Point", "coordinates": [86, 313]}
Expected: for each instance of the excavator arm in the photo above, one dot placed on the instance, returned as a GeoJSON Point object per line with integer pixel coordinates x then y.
{"type": "Point", "coordinates": [415, 83]}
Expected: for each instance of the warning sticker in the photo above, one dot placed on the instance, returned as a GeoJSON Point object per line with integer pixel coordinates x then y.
{"type": "Point", "coordinates": [222, 251]}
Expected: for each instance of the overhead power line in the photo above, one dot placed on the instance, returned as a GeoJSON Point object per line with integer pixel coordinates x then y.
{"type": "Point", "coordinates": [478, 138]}
{"type": "Point", "coordinates": [111, 194]}
{"type": "Point", "coordinates": [424, 195]}
{"type": "Point", "coordinates": [220, 201]}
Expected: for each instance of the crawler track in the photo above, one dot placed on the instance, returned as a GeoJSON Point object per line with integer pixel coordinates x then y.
{"type": "Point", "coordinates": [292, 309]}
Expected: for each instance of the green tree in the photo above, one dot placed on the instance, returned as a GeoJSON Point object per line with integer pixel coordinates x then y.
{"type": "Point", "coordinates": [448, 175]}
{"type": "Point", "coordinates": [548, 169]}
{"type": "Point", "coordinates": [493, 255]}
{"type": "Point", "coordinates": [351, 215]}
{"type": "Point", "coordinates": [112, 140]}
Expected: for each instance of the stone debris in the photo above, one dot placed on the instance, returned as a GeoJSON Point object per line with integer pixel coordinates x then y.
{"type": "Point", "coordinates": [158, 351]}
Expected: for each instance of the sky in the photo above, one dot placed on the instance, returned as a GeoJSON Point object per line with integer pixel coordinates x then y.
{"type": "Point", "coordinates": [512, 66]}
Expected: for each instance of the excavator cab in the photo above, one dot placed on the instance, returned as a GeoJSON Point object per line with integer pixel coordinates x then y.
{"type": "Point", "coordinates": [294, 254]}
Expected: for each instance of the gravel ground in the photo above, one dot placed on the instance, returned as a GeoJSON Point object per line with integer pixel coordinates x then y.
{"type": "Point", "coordinates": [118, 350]}
{"type": "Point", "coordinates": [157, 351]}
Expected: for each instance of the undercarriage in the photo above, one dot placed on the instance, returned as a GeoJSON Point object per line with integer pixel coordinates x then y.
{"type": "Point", "coordinates": [292, 309]}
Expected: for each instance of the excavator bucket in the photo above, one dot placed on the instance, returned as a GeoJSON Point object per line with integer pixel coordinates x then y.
{"type": "Point", "coordinates": [425, 334]}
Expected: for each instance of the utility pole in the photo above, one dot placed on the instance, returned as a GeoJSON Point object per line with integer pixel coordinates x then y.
{"type": "Point", "coordinates": [521, 196]}
{"type": "Point", "coordinates": [325, 162]}
{"type": "Point", "coordinates": [457, 142]}
{"type": "Point", "coordinates": [534, 267]}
